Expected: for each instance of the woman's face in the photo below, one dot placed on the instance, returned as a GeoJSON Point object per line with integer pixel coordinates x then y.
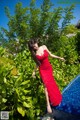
{"type": "Point", "coordinates": [35, 46]}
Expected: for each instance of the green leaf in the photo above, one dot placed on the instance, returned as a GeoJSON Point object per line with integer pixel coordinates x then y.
{"type": "Point", "coordinates": [5, 80]}
{"type": "Point", "coordinates": [25, 82]}
{"type": "Point", "coordinates": [26, 105]}
{"type": "Point", "coordinates": [23, 97]}
{"type": "Point", "coordinates": [21, 110]}
{"type": "Point", "coordinates": [26, 91]}
{"type": "Point", "coordinates": [4, 100]}
{"type": "Point", "coordinates": [17, 91]}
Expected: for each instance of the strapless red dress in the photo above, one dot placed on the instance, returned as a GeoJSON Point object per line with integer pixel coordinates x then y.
{"type": "Point", "coordinates": [46, 74]}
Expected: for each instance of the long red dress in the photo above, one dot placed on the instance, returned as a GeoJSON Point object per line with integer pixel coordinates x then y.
{"type": "Point", "coordinates": [46, 74]}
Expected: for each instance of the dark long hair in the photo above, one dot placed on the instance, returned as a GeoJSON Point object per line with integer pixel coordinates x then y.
{"type": "Point", "coordinates": [33, 52]}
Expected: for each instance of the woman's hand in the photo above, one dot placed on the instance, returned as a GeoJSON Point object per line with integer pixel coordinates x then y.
{"type": "Point", "coordinates": [62, 59]}
{"type": "Point", "coordinates": [33, 74]}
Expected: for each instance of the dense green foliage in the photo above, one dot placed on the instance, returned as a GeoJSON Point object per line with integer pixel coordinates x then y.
{"type": "Point", "coordinates": [20, 94]}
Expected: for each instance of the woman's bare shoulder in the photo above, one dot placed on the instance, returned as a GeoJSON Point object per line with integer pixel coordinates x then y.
{"type": "Point", "coordinates": [44, 46]}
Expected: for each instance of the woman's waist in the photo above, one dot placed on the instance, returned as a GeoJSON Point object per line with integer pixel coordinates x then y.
{"type": "Point", "coordinates": [45, 65]}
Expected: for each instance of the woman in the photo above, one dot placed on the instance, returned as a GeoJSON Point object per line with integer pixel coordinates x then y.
{"type": "Point", "coordinates": [40, 55]}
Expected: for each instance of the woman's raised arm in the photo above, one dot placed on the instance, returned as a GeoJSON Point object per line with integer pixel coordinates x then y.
{"type": "Point", "coordinates": [53, 56]}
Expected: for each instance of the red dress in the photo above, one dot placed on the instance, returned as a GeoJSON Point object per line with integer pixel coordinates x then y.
{"type": "Point", "coordinates": [46, 74]}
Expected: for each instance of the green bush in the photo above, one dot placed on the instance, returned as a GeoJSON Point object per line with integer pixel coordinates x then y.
{"type": "Point", "coordinates": [21, 95]}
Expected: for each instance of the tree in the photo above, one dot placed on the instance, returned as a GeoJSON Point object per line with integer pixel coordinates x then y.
{"type": "Point", "coordinates": [34, 20]}
{"type": "Point", "coordinates": [53, 29]}
{"type": "Point", "coordinates": [41, 23]}
{"type": "Point", "coordinates": [18, 27]}
{"type": "Point", "coordinates": [70, 29]}
{"type": "Point", "coordinates": [2, 40]}
{"type": "Point", "coordinates": [45, 17]}
{"type": "Point", "coordinates": [68, 11]}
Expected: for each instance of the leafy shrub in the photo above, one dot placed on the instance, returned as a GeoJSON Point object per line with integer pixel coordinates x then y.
{"type": "Point", "coordinates": [20, 93]}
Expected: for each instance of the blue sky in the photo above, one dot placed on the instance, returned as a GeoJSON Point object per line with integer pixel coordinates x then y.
{"type": "Point", "coordinates": [11, 4]}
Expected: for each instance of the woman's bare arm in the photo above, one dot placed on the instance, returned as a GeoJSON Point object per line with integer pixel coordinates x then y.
{"type": "Point", "coordinates": [53, 56]}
